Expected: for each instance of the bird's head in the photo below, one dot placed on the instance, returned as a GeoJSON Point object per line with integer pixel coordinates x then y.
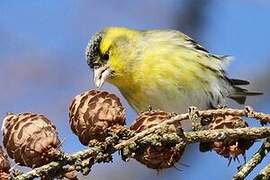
{"type": "Point", "coordinates": [110, 53]}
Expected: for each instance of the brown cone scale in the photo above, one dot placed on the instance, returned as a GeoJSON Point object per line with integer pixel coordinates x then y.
{"type": "Point", "coordinates": [157, 157]}
{"type": "Point", "coordinates": [229, 149]}
{"type": "Point", "coordinates": [94, 113]}
{"type": "Point", "coordinates": [30, 139]}
{"type": "Point", "coordinates": [4, 165]}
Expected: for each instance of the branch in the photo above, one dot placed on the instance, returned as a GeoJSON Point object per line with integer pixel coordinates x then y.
{"type": "Point", "coordinates": [264, 174]}
{"type": "Point", "coordinates": [113, 144]}
{"type": "Point", "coordinates": [58, 166]}
{"type": "Point", "coordinates": [247, 112]}
{"type": "Point", "coordinates": [191, 137]}
{"type": "Point", "coordinates": [227, 134]}
{"type": "Point", "coordinates": [254, 161]}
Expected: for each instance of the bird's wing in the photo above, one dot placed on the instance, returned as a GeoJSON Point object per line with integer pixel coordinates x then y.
{"type": "Point", "coordinates": [188, 42]}
{"type": "Point", "coordinates": [237, 93]}
{"type": "Point", "coordinates": [191, 43]}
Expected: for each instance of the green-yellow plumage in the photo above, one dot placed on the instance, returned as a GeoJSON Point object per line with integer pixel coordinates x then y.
{"type": "Point", "coordinates": [164, 69]}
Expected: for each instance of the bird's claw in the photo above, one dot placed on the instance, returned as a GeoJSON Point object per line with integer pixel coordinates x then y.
{"type": "Point", "coordinates": [195, 118]}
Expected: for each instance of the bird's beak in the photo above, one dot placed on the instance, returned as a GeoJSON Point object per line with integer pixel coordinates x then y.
{"type": "Point", "coordinates": [101, 74]}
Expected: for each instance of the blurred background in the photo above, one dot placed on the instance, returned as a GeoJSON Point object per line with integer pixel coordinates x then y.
{"type": "Point", "coordinates": [42, 65]}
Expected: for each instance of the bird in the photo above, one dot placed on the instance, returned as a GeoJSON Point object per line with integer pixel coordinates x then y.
{"type": "Point", "coordinates": [163, 69]}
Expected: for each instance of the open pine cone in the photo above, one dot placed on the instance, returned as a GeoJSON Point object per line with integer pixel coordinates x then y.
{"type": "Point", "coordinates": [158, 157]}
{"type": "Point", "coordinates": [230, 149]}
{"type": "Point", "coordinates": [4, 165]}
{"type": "Point", "coordinates": [30, 139]}
{"type": "Point", "coordinates": [93, 114]}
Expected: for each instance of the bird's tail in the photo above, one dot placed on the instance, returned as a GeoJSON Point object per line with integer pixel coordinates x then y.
{"type": "Point", "coordinates": [240, 94]}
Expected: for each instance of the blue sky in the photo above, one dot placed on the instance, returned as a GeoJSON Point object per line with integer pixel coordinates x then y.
{"type": "Point", "coordinates": [42, 64]}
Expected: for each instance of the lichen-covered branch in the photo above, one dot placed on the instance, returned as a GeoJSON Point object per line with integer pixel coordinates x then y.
{"type": "Point", "coordinates": [191, 137]}
{"type": "Point", "coordinates": [57, 167]}
{"type": "Point", "coordinates": [254, 161]}
{"type": "Point", "coordinates": [225, 134]}
{"type": "Point", "coordinates": [247, 112]}
{"type": "Point", "coordinates": [93, 154]}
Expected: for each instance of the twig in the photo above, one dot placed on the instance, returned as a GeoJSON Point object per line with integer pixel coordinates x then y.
{"type": "Point", "coordinates": [254, 161]}
{"type": "Point", "coordinates": [264, 174]}
{"type": "Point", "coordinates": [225, 134]}
{"type": "Point", "coordinates": [247, 112]}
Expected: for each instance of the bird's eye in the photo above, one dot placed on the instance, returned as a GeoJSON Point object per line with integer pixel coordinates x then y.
{"type": "Point", "coordinates": [105, 56]}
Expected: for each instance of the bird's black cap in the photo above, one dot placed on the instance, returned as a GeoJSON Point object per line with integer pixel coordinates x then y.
{"type": "Point", "coordinates": [92, 51]}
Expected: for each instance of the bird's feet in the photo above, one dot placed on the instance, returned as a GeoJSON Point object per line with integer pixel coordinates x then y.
{"type": "Point", "coordinates": [195, 118]}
